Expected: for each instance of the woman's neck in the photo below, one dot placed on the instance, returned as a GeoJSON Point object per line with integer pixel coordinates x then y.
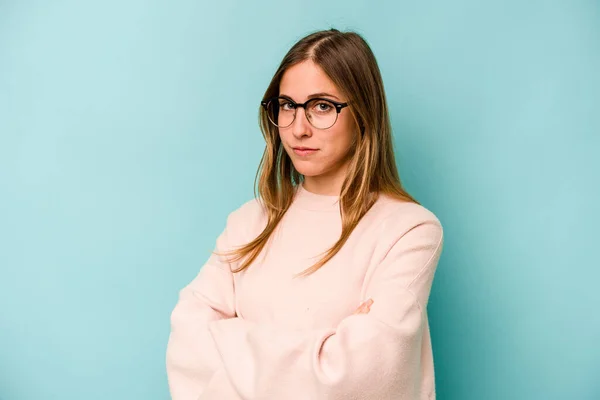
{"type": "Point", "coordinates": [327, 186]}
{"type": "Point", "coordinates": [329, 183]}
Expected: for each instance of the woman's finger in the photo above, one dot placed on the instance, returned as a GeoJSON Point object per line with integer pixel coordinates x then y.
{"type": "Point", "coordinates": [361, 310]}
{"type": "Point", "coordinates": [365, 307]}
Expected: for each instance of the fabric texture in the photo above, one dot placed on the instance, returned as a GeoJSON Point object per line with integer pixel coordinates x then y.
{"type": "Point", "coordinates": [265, 334]}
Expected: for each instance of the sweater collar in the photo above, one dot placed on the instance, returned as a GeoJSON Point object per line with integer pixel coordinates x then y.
{"type": "Point", "coordinates": [313, 201]}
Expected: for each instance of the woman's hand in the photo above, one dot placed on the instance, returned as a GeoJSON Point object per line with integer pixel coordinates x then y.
{"type": "Point", "coordinates": [364, 308]}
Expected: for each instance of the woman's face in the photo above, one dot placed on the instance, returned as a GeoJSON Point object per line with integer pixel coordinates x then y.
{"type": "Point", "coordinates": [321, 155]}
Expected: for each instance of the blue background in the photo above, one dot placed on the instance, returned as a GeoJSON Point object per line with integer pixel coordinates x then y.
{"type": "Point", "coordinates": [128, 132]}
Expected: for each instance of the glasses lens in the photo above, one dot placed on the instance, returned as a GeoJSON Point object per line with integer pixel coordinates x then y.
{"type": "Point", "coordinates": [281, 112]}
{"type": "Point", "coordinates": [321, 113]}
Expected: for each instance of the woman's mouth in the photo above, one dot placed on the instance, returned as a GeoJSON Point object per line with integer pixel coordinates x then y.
{"type": "Point", "coordinates": [304, 151]}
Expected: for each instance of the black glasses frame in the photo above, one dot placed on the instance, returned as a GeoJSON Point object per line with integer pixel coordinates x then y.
{"type": "Point", "coordinates": [338, 108]}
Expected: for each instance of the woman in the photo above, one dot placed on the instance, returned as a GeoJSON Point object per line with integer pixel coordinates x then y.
{"type": "Point", "coordinates": [273, 313]}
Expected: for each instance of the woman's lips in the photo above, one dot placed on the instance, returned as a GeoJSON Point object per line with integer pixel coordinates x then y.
{"type": "Point", "coordinates": [304, 151]}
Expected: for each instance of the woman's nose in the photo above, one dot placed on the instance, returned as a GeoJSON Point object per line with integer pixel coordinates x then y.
{"type": "Point", "coordinates": [301, 127]}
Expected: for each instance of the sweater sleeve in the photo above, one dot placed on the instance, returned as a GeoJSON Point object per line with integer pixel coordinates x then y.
{"type": "Point", "coordinates": [370, 356]}
{"type": "Point", "coordinates": [191, 357]}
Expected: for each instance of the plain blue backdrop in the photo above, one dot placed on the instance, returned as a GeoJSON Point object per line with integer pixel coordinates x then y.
{"type": "Point", "coordinates": [128, 132]}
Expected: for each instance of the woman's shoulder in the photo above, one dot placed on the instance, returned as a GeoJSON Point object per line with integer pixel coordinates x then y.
{"type": "Point", "coordinates": [406, 214]}
{"type": "Point", "coordinates": [249, 217]}
{"type": "Point", "coordinates": [407, 224]}
{"type": "Point", "coordinates": [247, 211]}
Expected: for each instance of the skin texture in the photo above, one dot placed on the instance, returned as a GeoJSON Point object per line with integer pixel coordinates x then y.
{"type": "Point", "coordinates": [324, 170]}
{"type": "Point", "coordinates": [364, 308]}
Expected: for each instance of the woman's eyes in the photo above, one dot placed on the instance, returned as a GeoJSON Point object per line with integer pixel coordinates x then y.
{"type": "Point", "coordinates": [287, 106]}
{"type": "Point", "coordinates": [320, 106]}
{"type": "Point", "coordinates": [323, 106]}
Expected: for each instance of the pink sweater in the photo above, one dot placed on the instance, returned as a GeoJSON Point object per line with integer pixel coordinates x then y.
{"type": "Point", "coordinates": [263, 334]}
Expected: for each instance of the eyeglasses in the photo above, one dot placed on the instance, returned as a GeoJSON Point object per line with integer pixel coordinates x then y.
{"type": "Point", "coordinates": [321, 113]}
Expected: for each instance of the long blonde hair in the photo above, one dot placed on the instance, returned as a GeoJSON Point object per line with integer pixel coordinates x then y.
{"type": "Point", "coordinates": [348, 61]}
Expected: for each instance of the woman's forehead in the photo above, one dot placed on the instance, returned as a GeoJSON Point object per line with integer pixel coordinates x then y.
{"type": "Point", "coordinates": [303, 80]}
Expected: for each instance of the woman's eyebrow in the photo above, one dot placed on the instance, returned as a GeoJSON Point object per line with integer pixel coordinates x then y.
{"type": "Point", "coordinates": [321, 94]}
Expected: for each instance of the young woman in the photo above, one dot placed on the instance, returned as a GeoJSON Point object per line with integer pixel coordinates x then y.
{"type": "Point", "coordinates": [273, 313]}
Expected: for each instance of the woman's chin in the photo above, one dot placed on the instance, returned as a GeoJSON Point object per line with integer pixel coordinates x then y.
{"type": "Point", "coordinates": [308, 170]}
